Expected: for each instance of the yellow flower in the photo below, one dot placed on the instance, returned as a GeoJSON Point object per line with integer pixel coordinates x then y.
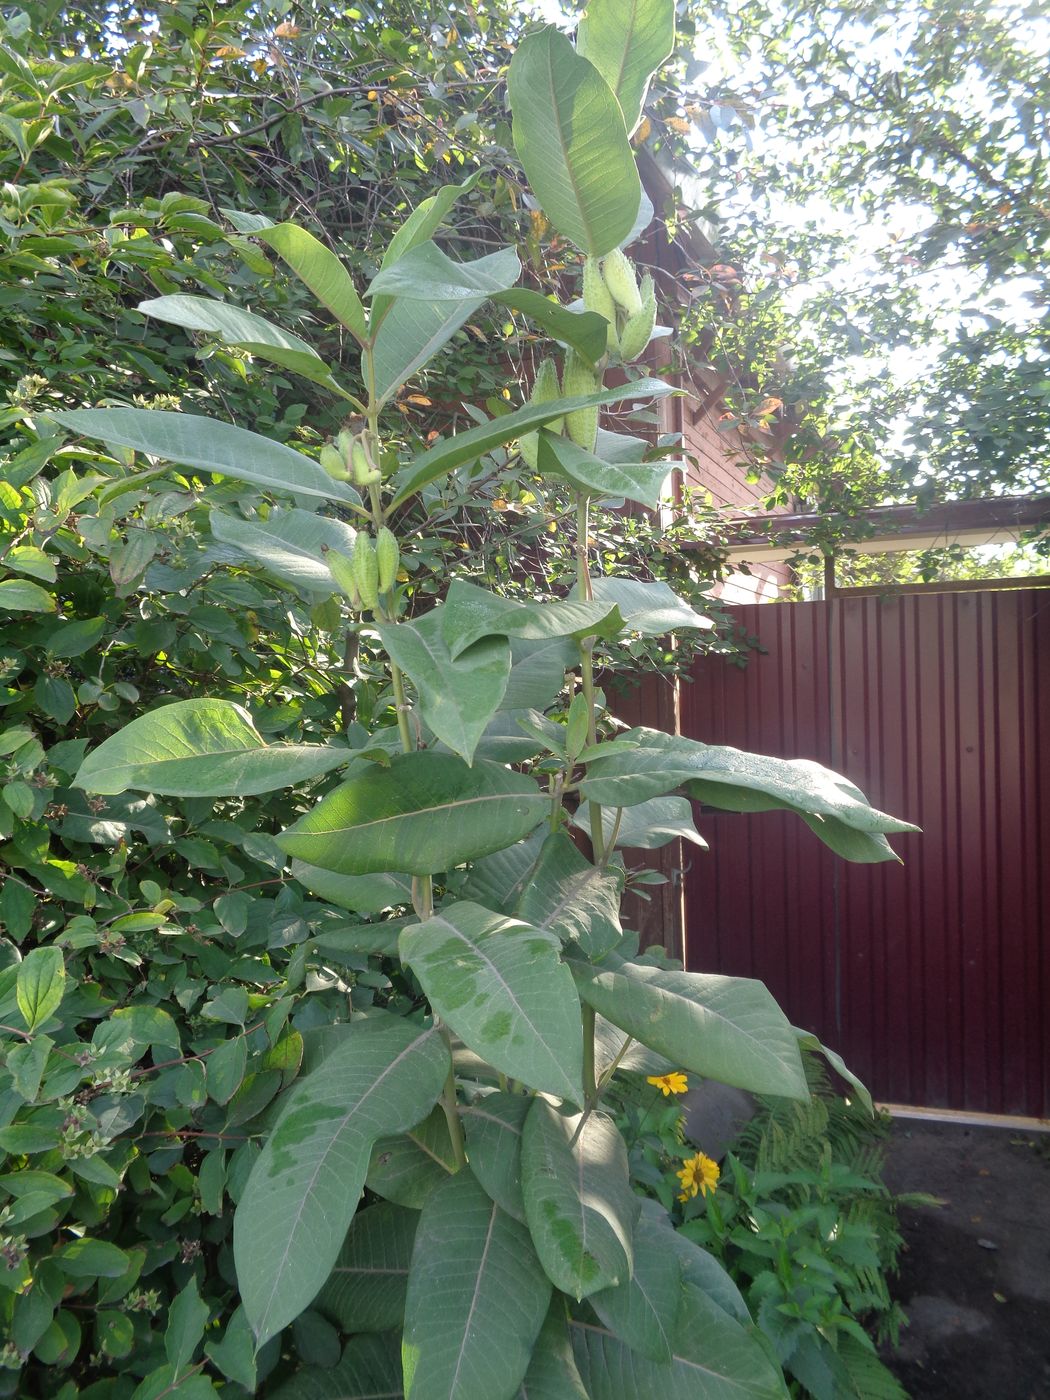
{"type": "Point", "coordinates": [698, 1173]}
{"type": "Point", "coordinates": [675, 1083]}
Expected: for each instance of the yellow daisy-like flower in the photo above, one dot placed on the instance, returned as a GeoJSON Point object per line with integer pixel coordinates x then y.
{"type": "Point", "coordinates": [698, 1174]}
{"type": "Point", "coordinates": [674, 1083]}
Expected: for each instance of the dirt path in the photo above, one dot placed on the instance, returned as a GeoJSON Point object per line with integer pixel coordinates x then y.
{"type": "Point", "coordinates": [975, 1277]}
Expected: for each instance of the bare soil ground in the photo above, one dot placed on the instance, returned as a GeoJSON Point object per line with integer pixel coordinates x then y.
{"type": "Point", "coordinates": [975, 1274]}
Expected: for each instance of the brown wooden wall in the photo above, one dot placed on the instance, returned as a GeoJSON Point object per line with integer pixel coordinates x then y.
{"type": "Point", "coordinates": [931, 977]}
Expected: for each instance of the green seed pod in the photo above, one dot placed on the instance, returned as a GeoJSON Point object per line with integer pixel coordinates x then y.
{"type": "Point", "coordinates": [388, 559]}
{"type": "Point", "coordinates": [332, 461]}
{"type": "Point", "coordinates": [596, 295]}
{"type": "Point", "coordinates": [621, 281]}
{"type": "Point", "coordinates": [361, 464]}
{"type": "Point", "coordinates": [545, 390]}
{"type": "Point", "coordinates": [342, 571]}
{"type": "Point", "coordinates": [579, 379]}
{"type": "Point", "coordinates": [366, 570]}
{"type": "Point", "coordinates": [638, 331]}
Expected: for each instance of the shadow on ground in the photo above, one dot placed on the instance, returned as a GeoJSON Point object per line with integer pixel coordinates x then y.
{"type": "Point", "coordinates": [975, 1274]}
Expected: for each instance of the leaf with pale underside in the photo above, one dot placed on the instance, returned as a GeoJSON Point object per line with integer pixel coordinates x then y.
{"type": "Point", "coordinates": [725, 777]}
{"type": "Point", "coordinates": [713, 1358]}
{"type": "Point", "coordinates": [502, 987]}
{"type": "Point", "coordinates": [653, 609]}
{"type": "Point", "coordinates": [457, 695]}
{"type": "Point", "coordinates": [573, 898]}
{"type": "Point", "coordinates": [646, 826]}
{"type": "Point", "coordinates": [725, 1028]}
{"type": "Point", "coordinates": [209, 444]}
{"type": "Point", "coordinates": [413, 330]}
{"type": "Point", "coordinates": [466, 447]}
{"type": "Point", "coordinates": [471, 613]}
{"type": "Point", "coordinates": [643, 482]}
{"type": "Point", "coordinates": [627, 41]}
{"type": "Point", "coordinates": [425, 813]}
{"type": "Point", "coordinates": [200, 748]}
{"type": "Point", "coordinates": [578, 1199]}
{"type": "Point", "coordinates": [304, 1187]}
{"type": "Point", "coordinates": [244, 329]}
{"type": "Point", "coordinates": [290, 544]}
{"type": "Point", "coordinates": [643, 1309]}
{"type": "Point", "coordinates": [570, 136]}
{"type": "Point", "coordinates": [477, 1298]}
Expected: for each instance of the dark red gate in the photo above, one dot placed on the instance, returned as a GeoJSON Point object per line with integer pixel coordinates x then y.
{"type": "Point", "coordinates": [931, 977]}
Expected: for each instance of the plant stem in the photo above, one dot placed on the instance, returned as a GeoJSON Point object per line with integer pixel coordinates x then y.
{"type": "Point", "coordinates": [450, 1108]}
{"type": "Point", "coordinates": [590, 1088]}
{"type": "Point", "coordinates": [583, 581]}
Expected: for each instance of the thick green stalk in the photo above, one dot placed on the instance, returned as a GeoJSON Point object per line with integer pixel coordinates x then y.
{"type": "Point", "coordinates": [590, 1086]}
{"type": "Point", "coordinates": [583, 581]}
{"type": "Point", "coordinates": [450, 1108]}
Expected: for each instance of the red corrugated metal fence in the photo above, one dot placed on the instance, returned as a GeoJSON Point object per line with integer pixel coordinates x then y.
{"type": "Point", "coordinates": [931, 977]}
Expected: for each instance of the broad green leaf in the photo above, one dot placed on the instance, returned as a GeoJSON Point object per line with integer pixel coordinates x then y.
{"type": "Point", "coordinates": [187, 1318]}
{"type": "Point", "coordinates": [642, 1310]}
{"type": "Point", "coordinates": [635, 481]}
{"type": "Point", "coordinates": [713, 1358]}
{"type": "Point", "coordinates": [321, 271]}
{"type": "Point", "coordinates": [425, 273]}
{"type": "Point", "coordinates": [461, 448]}
{"type": "Point", "coordinates": [425, 220]}
{"type": "Point", "coordinates": [471, 613]}
{"type": "Point", "coordinates": [200, 748]}
{"type": "Point", "coordinates": [496, 881]}
{"type": "Point", "coordinates": [627, 41]}
{"type": "Point", "coordinates": [29, 559]}
{"type": "Point", "coordinates": [570, 136]}
{"type": "Point", "coordinates": [578, 1199]}
{"type": "Point", "coordinates": [421, 224]}
{"type": "Point", "coordinates": [652, 609]}
{"type": "Point", "coordinates": [648, 825]}
{"type": "Point", "coordinates": [413, 331]}
{"type": "Point", "coordinates": [506, 741]}
{"type": "Point", "coordinates": [89, 1258]}
{"type": "Point", "coordinates": [238, 327]}
{"type": "Point", "coordinates": [426, 813]}
{"type": "Point", "coordinates": [537, 672]}
{"type": "Point", "coordinates": [406, 1168]}
{"type": "Point", "coordinates": [290, 544]}
{"type": "Point", "coordinates": [366, 1289]}
{"type": "Point", "coordinates": [573, 898]}
{"type": "Point", "coordinates": [552, 1373]}
{"type": "Point", "coordinates": [699, 1268]}
{"type": "Point", "coordinates": [477, 1298]}
{"type": "Point", "coordinates": [21, 595]}
{"type": "Point", "coordinates": [209, 444]}
{"type": "Point", "coordinates": [234, 1352]}
{"type": "Point", "coordinates": [364, 894]}
{"type": "Point", "coordinates": [40, 985]}
{"type": "Point", "coordinates": [725, 1028]}
{"type": "Point", "coordinates": [725, 777]}
{"type": "Point", "coordinates": [503, 989]}
{"type": "Point", "coordinates": [585, 331]}
{"type": "Point", "coordinates": [74, 638]}
{"type": "Point", "coordinates": [225, 1068]}
{"type": "Point", "coordinates": [457, 697]}
{"type": "Point", "coordinates": [370, 1369]}
{"type": "Point", "coordinates": [493, 1126]}
{"type": "Point", "coordinates": [304, 1187]}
